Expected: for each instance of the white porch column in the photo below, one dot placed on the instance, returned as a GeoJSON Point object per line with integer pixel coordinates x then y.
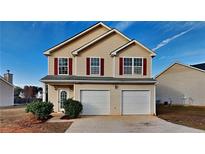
{"type": "Point", "coordinates": [44, 92]}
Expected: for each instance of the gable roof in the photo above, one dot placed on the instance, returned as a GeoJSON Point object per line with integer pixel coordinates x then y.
{"type": "Point", "coordinates": [200, 66]}
{"type": "Point", "coordinates": [2, 78]}
{"type": "Point", "coordinates": [114, 53]}
{"type": "Point", "coordinates": [188, 66]}
{"type": "Point", "coordinates": [75, 52]}
{"type": "Point", "coordinates": [47, 52]}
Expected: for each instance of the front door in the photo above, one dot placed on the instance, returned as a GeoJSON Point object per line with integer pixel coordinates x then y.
{"type": "Point", "coordinates": [63, 95]}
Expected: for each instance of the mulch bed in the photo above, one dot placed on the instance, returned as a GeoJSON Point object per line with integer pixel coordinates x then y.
{"type": "Point", "coordinates": [29, 124]}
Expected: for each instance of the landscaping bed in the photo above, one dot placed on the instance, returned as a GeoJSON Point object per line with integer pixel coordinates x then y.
{"type": "Point", "coordinates": [192, 116]}
{"type": "Point", "coordinates": [15, 120]}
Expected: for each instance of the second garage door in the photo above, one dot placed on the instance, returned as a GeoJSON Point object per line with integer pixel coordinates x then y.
{"type": "Point", "coordinates": [135, 102]}
{"type": "Point", "coordinates": [95, 102]}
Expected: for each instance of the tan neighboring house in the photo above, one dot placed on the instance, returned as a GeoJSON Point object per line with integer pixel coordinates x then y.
{"type": "Point", "coordinates": [105, 70]}
{"type": "Point", "coordinates": [6, 90]}
{"type": "Point", "coordinates": [182, 84]}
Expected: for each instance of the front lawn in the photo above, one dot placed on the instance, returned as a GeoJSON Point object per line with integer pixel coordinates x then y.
{"type": "Point", "coordinates": [15, 120]}
{"type": "Point", "coordinates": [192, 116]}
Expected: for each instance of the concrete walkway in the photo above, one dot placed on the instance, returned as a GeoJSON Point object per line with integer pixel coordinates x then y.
{"type": "Point", "coordinates": [127, 124]}
{"type": "Point", "coordinates": [57, 118]}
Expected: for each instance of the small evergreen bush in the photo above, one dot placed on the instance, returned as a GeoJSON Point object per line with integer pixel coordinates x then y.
{"type": "Point", "coordinates": [41, 110]}
{"type": "Point", "coordinates": [72, 108]}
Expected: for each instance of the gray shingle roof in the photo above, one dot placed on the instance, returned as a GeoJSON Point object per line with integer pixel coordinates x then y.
{"type": "Point", "coordinates": [200, 66]}
{"type": "Point", "coordinates": [88, 79]}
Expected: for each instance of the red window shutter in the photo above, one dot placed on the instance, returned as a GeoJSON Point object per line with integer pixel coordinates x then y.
{"type": "Point", "coordinates": [55, 66]}
{"type": "Point", "coordinates": [70, 61]}
{"type": "Point", "coordinates": [144, 66]}
{"type": "Point", "coordinates": [121, 66]}
{"type": "Point", "coordinates": [88, 66]}
{"type": "Point", "coordinates": [102, 67]}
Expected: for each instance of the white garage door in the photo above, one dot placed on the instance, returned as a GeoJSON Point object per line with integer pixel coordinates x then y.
{"type": "Point", "coordinates": [135, 102]}
{"type": "Point", "coordinates": [95, 102]}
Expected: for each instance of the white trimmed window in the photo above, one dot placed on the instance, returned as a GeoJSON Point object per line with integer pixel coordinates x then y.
{"type": "Point", "coordinates": [137, 65]}
{"type": "Point", "coordinates": [127, 65]}
{"type": "Point", "coordinates": [63, 66]}
{"type": "Point", "coordinates": [132, 66]}
{"type": "Point", "coordinates": [95, 66]}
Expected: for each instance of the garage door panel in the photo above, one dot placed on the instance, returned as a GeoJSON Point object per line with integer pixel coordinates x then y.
{"type": "Point", "coordinates": [135, 102]}
{"type": "Point", "coordinates": [95, 102]}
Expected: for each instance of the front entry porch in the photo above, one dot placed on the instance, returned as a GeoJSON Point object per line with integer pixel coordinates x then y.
{"type": "Point", "coordinates": [57, 93]}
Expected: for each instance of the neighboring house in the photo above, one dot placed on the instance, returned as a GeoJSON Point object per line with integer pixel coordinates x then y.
{"type": "Point", "coordinates": [6, 90]}
{"type": "Point", "coordinates": [105, 70]}
{"type": "Point", "coordinates": [181, 84]}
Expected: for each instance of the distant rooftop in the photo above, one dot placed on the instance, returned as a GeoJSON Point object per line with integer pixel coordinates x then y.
{"type": "Point", "coordinates": [200, 66]}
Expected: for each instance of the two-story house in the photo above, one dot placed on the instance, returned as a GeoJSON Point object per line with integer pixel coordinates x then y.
{"type": "Point", "coordinates": [105, 70]}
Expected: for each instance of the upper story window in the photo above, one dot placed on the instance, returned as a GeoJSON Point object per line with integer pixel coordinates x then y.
{"type": "Point", "coordinates": [95, 66]}
{"type": "Point", "coordinates": [62, 66]}
{"type": "Point", "coordinates": [127, 65]}
{"type": "Point", "coordinates": [133, 66]}
{"type": "Point", "coordinates": [137, 65]}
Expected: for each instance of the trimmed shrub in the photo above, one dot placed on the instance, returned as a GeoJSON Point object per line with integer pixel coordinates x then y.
{"type": "Point", "coordinates": [72, 108]}
{"type": "Point", "coordinates": [41, 110]}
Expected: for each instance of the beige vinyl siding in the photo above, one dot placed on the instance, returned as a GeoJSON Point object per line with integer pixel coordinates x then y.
{"type": "Point", "coordinates": [114, 89]}
{"type": "Point", "coordinates": [181, 85]}
{"type": "Point", "coordinates": [65, 51]}
{"type": "Point", "coordinates": [101, 49]}
{"type": "Point", "coordinates": [134, 51]}
{"type": "Point", "coordinates": [116, 94]}
{"type": "Point", "coordinates": [53, 95]}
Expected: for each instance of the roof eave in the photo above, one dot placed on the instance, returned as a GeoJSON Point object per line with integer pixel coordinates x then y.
{"type": "Point", "coordinates": [75, 52]}
{"type": "Point", "coordinates": [6, 82]}
{"type": "Point", "coordinates": [94, 81]}
{"type": "Point", "coordinates": [114, 53]}
{"type": "Point", "coordinates": [47, 52]}
{"type": "Point", "coordinates": [152, 53]}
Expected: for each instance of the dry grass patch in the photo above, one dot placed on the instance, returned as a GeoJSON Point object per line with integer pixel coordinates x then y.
{"type": "Point", "coordinates": [192, 116]}
{"type": "Point", "coordinates": [15, 120]}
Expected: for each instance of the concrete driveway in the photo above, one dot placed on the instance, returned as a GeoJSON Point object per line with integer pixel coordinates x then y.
{"type": "Point", "coordinates": [127, 124]}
